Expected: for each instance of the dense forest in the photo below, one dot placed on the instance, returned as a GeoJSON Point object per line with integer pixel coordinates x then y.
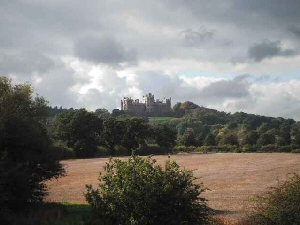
{"type": "Point", "coordinates": [80, 133]}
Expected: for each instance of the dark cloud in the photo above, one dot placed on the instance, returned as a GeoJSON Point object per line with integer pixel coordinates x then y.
{"type": "Point", "coordinates": [24, 63]}
{"type": "Point", "coordinates": [268, 49]}
{"type": "Point", "coordinates": [295, 30]}
{"type": "Point", "coordinates": [279, 11]}
{"type": "Point", "coordinates": [235, 88]}
{"type": "Point", "coordinates": [193, 38]}
{"type": "Point", "coordinates": [103, 49]}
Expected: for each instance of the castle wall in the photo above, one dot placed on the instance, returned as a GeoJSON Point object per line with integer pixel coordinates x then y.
{"type": "Point", "coordinates": [149, 107]}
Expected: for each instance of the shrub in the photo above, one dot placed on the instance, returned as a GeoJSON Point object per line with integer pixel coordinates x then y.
{"type": "Point", "coordinates": [280, 205]}
{"type": "Point", "coordinates": [286, 148]}
{"type": "Point", "coordinates": [248, 148]}
{"type": "Point", "coordinates": [296, 150]}
{"type": "Point", "coordinates": [85, 149]}
{"type": "Point", "coordinates": [61, 151]}
{"type": "Point", "coordinates": [269, 148]}
{"type": "Point", "coordinates": [179, 148]}
{"type": "Point", "coordinates": [137, 191]}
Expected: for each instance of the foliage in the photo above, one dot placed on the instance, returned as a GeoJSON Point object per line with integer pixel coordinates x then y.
{"type": "Point", "coordinates": [117, 112]}
{"type": "Point", "coordinates": [61, 151]}
{"type": "Point", "coordinates": [280, 205]}
{"type": "Point", "coordinates": [137, 191]}
{"type": "Point", "coordinates": [113, 130]}
{"type": "Point", "coordinates": [189, 137]}
{"type": "Point", "coordinates": [26, 160]}
{"type": "Point", "coordinates": [102, 113]}
{"type": "Point", "coordinates": [80, 129]}
{"type": "Point", "coordinates": [209, 140]}
{"type": "Point", "coordinates": [165, 137]}
{"type": "Point", "coordinates": [136, 131]}
{"type": "Point", "coordinates": [210, 128]}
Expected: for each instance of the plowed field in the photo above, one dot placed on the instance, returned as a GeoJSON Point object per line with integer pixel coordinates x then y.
{"type": "Point", "coordinates": [232, 178]}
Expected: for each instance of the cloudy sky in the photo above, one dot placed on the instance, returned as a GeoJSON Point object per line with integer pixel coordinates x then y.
{"type": "Point", "coordinates": [233, 55]}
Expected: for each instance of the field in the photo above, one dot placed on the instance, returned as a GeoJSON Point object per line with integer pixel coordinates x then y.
{"type": "Point", "coordinates": [160, 119]}
{"type": "Point", "coordinates": [232, 178]}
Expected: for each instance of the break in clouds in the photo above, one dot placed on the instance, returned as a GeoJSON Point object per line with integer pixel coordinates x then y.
{"type": "Point", "coordinates": [234, 55]}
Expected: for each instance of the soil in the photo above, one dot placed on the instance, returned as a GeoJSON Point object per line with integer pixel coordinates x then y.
{"type": "Point", "coordinates": [233, 178]}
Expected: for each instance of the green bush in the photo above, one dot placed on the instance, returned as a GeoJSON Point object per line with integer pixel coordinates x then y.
{"type": "Point", "coordinates": [269, 148]}
{"type": "Point", "coordinates": [286, 148]}
{"type": "Point", "coordinates": [249, 148]}
{"type": "Point", "coordinates": [61, 151]}
{"type": "Point", "coordinates": [280, 205]}
{"type": "Point", "coordinates": [179, 148]}
{"type": "Point", "coordinates": [101, 152]}
{"type": "Point", "coordinates": [296, 150]}
{"type": "Point", "coordinates": [137, 191]}
{"type": "Point", "coordinates": [182, 148]}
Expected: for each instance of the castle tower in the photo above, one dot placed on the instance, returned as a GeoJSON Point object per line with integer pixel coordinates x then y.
{"type": "Point", "coordinates": [149, 102]}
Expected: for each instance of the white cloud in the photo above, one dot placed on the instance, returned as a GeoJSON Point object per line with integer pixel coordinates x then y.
{"type": "Point", "coordinates": [91, 55]}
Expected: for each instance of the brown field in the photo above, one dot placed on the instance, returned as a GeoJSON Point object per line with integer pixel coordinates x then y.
{"type": "Point", "coordinates": [232, 178]}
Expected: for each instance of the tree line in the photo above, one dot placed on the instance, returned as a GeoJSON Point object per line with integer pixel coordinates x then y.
{"type": "Point", "coordinates": [86, 132]}
{"type": "Point", "coordinates": [196, 128]}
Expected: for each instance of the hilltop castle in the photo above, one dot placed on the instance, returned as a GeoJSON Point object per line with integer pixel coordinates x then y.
{"type": "Point", "coordinates": [148, 107]}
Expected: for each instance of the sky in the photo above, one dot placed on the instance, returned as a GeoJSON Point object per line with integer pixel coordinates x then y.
{"type": "Point", "coordinates": [233, 55]}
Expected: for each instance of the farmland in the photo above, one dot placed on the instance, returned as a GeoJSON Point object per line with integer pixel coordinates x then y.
{"type": "Point", "coordinates": [158, 120]}
{"type": "Point", "coordinates": [231, 178]}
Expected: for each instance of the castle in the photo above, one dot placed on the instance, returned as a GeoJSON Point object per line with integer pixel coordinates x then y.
{"type": "Point", "coordinates": [148, 107]}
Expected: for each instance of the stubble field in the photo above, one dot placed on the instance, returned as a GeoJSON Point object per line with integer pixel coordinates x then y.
{"type": "Point", "coordinates": [232, 178]}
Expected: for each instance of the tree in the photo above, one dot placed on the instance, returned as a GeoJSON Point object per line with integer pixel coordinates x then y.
{"type": "Point", "coordinates": [117, 112]}
{"type": "Point", "coordinates": [136, 131]}
{"type": "Point", "coordinates": [210, 140]}
{"type": "Point", "coordinates": [80, 129]}
{"type": "Point", "coordinates": [229, 139]}
{"type": "Point", "coordinates": [295, 134]}
{"type": "Point", "coordinates": [178, 112]}
{"type": "Point", "coordinates": [26, 161]}
{"type": "Point", "coordinates": [200, 139]}
{"type": "Point", "coordinates": [137, 191]}
{"type": "Point", "coordinates": [102, 113]}
{"type": "Point", "coordinates": [113, 131]}
{"type": "Point", "coordinates": [189, 137]}
{"type": "Point", "coordinates": [266, 139]}
{"type": "Point", "coordinates": [165, 137]}
{"type": "Point", "coordinates": [250, 138]}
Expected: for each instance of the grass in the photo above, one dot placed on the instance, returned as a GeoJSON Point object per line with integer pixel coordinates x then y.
{"type": "Point", "coordinates": [160, 119]}
{"type": "Point", "coordinates": [51, 213]}
{"type": "Point", "coordinates": [73, 214]}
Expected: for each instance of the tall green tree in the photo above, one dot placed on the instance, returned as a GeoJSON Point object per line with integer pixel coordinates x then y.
{"type": "Point", "coordinates": [102, 113]}
{"type": "Point", "coordinates": [210, 140]}
{"type": "Point", "coordinates": [80, 129]}
{"type": "Point", "coordinates": [189, 138]}
{"type": "Point", "coordinates": [165, 137]}
{"type": "Point", "coordinates": [135, 133]}
{"type": "Point", "coordinates": [26, 161]}
{"type": "Point", "coordinates": [113, 131]}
